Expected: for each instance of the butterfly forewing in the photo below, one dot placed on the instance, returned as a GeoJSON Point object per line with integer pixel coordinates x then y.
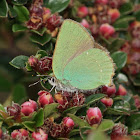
{"type": "Point", "coordinates": [72, 40]}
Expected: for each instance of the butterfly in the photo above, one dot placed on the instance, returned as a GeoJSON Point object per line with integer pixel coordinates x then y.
{"type": "Point", "coordinates": [78, 62]}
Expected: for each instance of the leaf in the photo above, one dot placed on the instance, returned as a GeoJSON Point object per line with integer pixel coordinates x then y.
{"type": "Point", "coordinates": [30, 117]}
{"type": "Point", "coordinates": [119, 59]}
{"type": "Point", "coordinates": [40, 31]}
{"type": "Point", "coordinates": [137, 15]}
{"type": "Point", "coordinates": [122, 23]}
{"type": "Point", "coordinates": [133, 122]}
{"type": "Point", "coordinates": [84, 131]}
{"type": "Point", "coordinates": [72, 110]}
{"type": "Point", "coordinates": [94, 98]}
{"type": "Point", "coordinates": [2, 108]}
{"type": "Point", "coordinates": [29, 125]}
{"type": "Point", "coordinates": [49, 109]}
{"type": "Point", "coordinates": [18, 28]}
{"type": "Point", "coordinates": [116, 44]}
{"type": "Point", "coordinates": [22, 13]}
{"type": "Point", "coordinates": [126, 8]}
{"type": "Point", "coordinates": [74, 132]}
{"type": "Point", "coordinates": [97, 135]}
{"type": "Point", "coordinates": [106, 125]}
{"type": "Point", "coordinates": [42, 40]}
{"type": "Point", "coordinates": [42, 53]}
{"type": "Point", "coordinates": [3, 8]}
{"type": "Point", "coordinates": [135, 79]}
{"type": "Point", "coordinates": [135, 137]}
{"type": "Point", "coordinates": [56, 5]}
{"type": "Point", "coordinates": [112, 111]}
{"type": "Point", "coordinates": [19, 94]}
{"type": "Point", "coordinates": [19, 2]}
{"type": "Point", "coordinates": [39, 118]}
{"type": "Point", "coordinates": [19, 61]}
{"type": "Point", "coordinates": [78, 121]}
{"type": "Point", "coordinates": [12, 12]}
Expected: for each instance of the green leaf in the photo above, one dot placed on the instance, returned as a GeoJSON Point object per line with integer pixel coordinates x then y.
{"type": "Point", "coordinates": [84, 131]}
{"type": "Point", "coordinates": [115, 45]}
{"type": "Point", "coordinates": [97, 135]}
{"type": "Point", "coordinates": [19, 61]}
{"type": "Point", "coordinates": [94, 98]}
{"type": "Point", "coordinates": [133, 122]}
{"type": "Point", "coordinates": [2, 108]}
{"type": "Point", "coordinates": [126, 8]}
{"type": "Point", "coordinates": [137, 15]}
{"type": "Point", "coordinates": [112, 111]}
{"type": "Point", "coordinates": [29, 125]}
{"type": "Point", "coordinates": [42, 53]}
{"type": "Point", "coordinates": [78, 121]}
{"type": "Point", "coordinates": [3, 8]}
{"type": "Point", "coordinates": [74, 132]}
{"type": "Point", "coordinates": [134, 137]}
{"type": "Point", "coordinates": [30, 117]}
{"type": "Point", "coordinates": [18, 28]}
{"type": "Point", "coordinates": [119, 59]}
{"type": "Point", "coordinates": [22, 13]}
{"type": "Point", "coordinates": [39, 118]}
{"type": "Point", "coordinates": [40, 31]}
{"type": "Point", "coordinates": [12, 12]}
{"type": "Point", "coordinates": [19, 94]}
{"type": "Point", "coordinates": [42, 40]}
{"type": "Point", "coordinates": [56, 5]}
{"type": "Point", "coordinates": [72, 110]}
{"type": "Point", "coordinates": [106, 125]}
{"type": "Point", "coordinates": [123, 22]}
{"type": "Point", "coordinates": [19, 2]}
{"type": "Point", "coordinates": [135, 79]}
{"type": "Point", "coordinates": [49, 109]}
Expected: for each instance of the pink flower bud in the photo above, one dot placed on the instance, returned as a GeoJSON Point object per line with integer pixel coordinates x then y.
{"type": "Point", "coordinates": [59, 98]}
{"type": "Point", "coordinates": [41, 92]}
{"type": "Point", "coordinates": [82, 11]}
{"type": "Point", "coordinates": [94, 115]}
{"type": "Point", "coordinates": [14, 110]}
{"type": "Point", "coordinates": [109, 90]}
{"type": "Point", "coordinates": [1, 133]}
{"type": "Point", "coordinates": [33, 62]}
{"type": "Point", "coordinates": [19, 134]}
{"type": "Point", "coordinates": [121, 91]}
{"type": "Point", "coordinates": [68, 122]}
{"type": "Point", "coordinates": [44, 65]}
{"type": "Point", "coordinates": [41, 135]}
{"type": "Point", "coordinates": [45, 99]}
{"type": "Point", "coordinates": [28, 107]}
{"type": "Point", "coordinates": [114, 14]}
{"type": "Point", "coordinates": [85, 23]}
{"type": "Point", "coordinates": [102, 1]}
{"type": "Point", "coordinates": [119, 130]}
{"type": "Point", "coordinates": [53, 22]}
{"type": "Point", "coordinates": [107, 30]}
{"type": "Point", "coordinates": [46, 14]}
{"type": "Point", "coordinates": [107, 101]}
{"type": "Point", "coordinates": [137, 101]}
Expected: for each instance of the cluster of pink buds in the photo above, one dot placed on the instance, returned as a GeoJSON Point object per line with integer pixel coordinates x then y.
{"type": "Point", "coordinates": [41, 17]}
{"type": "Point", "coordinates": [66, 100]}
{"type": "Point", "coordinates": [42, 65]}
{"type": "Point", "coordinates": [20, 134]}
{"type": "Point", "coordinates": [28, 107]}
{"type": "Point", "coordinates": [40, 135]}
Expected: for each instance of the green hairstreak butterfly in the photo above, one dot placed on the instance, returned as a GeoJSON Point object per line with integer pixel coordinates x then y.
{"type": "Point", "coordinates": [78, 62]}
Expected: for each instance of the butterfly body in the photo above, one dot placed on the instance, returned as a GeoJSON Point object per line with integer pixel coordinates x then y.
{"type": "Point", "coordinates": [80, 64]}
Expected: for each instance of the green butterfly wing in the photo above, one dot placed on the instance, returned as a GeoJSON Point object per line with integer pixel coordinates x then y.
{"type": "Point", "coordinates": [78, 61]}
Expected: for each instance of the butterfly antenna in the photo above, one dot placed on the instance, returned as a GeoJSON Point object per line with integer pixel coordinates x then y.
{"type": "Point", "coordinates": [52, 88]}
{"type": "Point", "coordinates": [34, 83]}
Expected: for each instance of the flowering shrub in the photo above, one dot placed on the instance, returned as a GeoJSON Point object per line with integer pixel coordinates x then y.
{"type": "Point", "coordinates": [107, 112]}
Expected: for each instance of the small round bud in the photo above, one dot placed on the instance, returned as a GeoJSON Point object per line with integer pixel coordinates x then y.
{"type": "Point", "coordinates": [82, 11]}
{"type": "Point", "coordinates": [108, 102]}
